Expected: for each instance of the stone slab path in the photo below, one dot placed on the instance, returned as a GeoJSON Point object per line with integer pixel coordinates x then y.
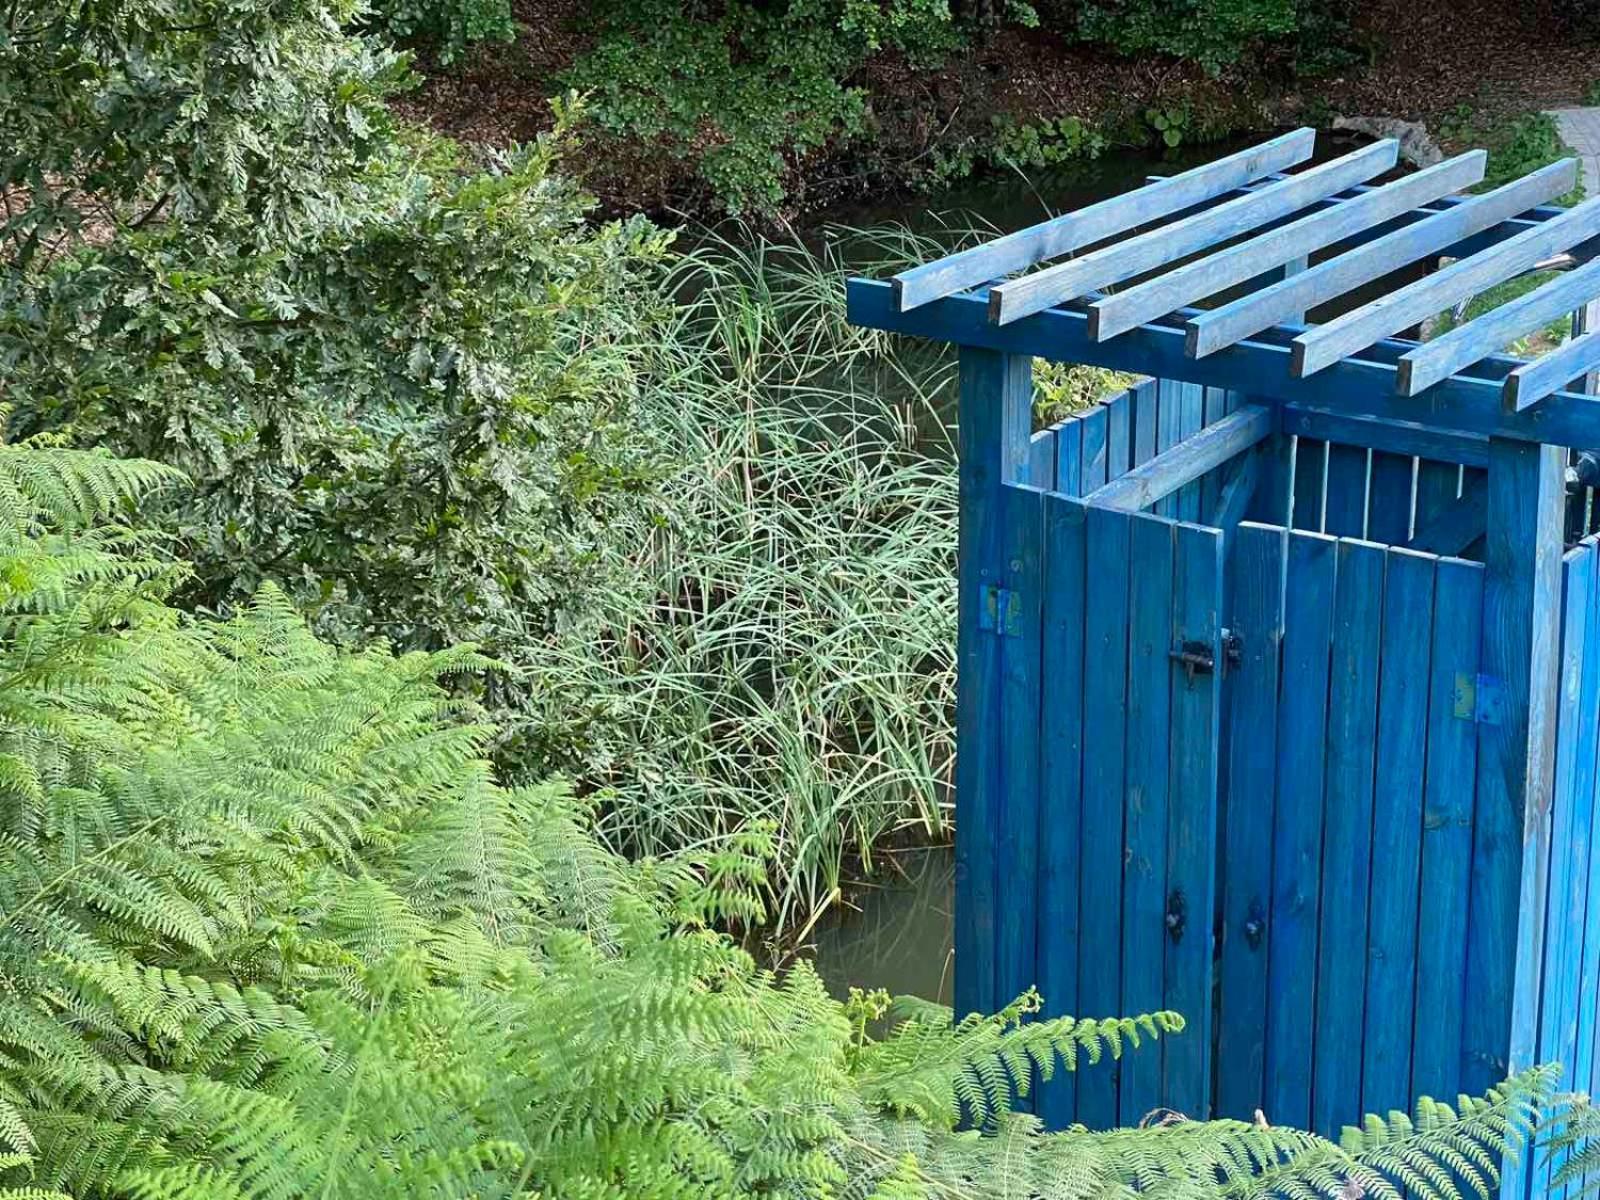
{"type": "Point", "coordinates": [1580, 129]}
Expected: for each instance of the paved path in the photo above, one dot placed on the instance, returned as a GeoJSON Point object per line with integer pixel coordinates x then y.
{"type": "Point", "coordinates": [1580, 129]}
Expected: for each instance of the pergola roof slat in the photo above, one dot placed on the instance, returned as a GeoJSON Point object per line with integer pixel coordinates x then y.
{"type": "Point", "coordinates": [1069, 280]}
{"type": "Point", "coordinates": [1086, 226]}
{"type": "Point", "coordinates": [1354, 331]}
{"type": "Point", "coordinates": [1467, 343]}
{"type": "Point", "coordinates": [1222, 270]}
{"type": "Point", "coordinates": [1211, 331]}
{"type": "Point", "coordinates": [1532, 382]}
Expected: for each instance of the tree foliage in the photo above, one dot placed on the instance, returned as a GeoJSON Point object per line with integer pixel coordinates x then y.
{"type": "Point", "coordinates": [402, 388]}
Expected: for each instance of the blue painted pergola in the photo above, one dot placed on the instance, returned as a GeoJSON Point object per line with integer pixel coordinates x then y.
{"type": "Point", "coordinates": [1278, 671]}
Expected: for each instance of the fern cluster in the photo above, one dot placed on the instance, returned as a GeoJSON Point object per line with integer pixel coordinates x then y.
{"type": "Point", "coordinates": [269, 929]}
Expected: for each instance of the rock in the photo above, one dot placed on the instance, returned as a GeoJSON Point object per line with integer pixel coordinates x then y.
{"type": "Point", "coordinates": [1416, 143]}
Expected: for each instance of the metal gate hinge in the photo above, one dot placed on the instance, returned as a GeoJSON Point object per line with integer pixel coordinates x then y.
{"type": "Point", "coordinates": [1000, 611]}
{"type": "Point", "coordinates": [1479, 698]}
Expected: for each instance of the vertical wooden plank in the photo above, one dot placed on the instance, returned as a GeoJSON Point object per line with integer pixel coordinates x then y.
{"type": "Point", "coordinates": [1345, 505]}
{"type": "Point", "coordinates": [1587, 1055]}
{"type": "Point", "coordinates": [1060, 782]}
{"type": "Point", "coordinates": [1347, 834]}
{"type": "Point", "coordinates": [1192, 817]}
{"type": "Point", "coordinates": [996, 397]}
{"type": "Point", "coordinates": [1274, 497]}
{"type": "Point", "coordinates": [1069, 457]}
{"type": "Point", "coordinates": [1119, 435]}
{"type": "Point", "coordinates": [1310, 475]}
{"type": "Point", "coordinates": [1095, 433]}
{"type": "Point", "coordinates": [1391, 948]}
{"type": "Point", "coordinates": [1144, 897]}
{"type": "Point", "coordinates": [1191, 418]}
{"type": "Point", "coordinates": [1105, 699]}
{"type": "Point", "coordinates": [1521, 599]}
{"type": "Point", "coordinates": [1214, 406]}
{"type": "Point", "coordinates": [1447, 832]}
{"type": "Point", "coordinates": [1042, 459]}
{"type": "Point", "coordinates": [1558, 1031]}
{"type": "Point", "coordinates": [1169, 431]}
{"type": "Point", "coordinates": [1438, 485]}
{"type": "Point", "coordinates": [1389, 504]}
{"type": "Point", "coordinates": [1255, 616]}
{"type": "Point", "coordinates": [1297, 828]}
{"type": "Point", "coordinates": [1146, 408]}
{"type": "Point", "coordinates": [1017, 812]}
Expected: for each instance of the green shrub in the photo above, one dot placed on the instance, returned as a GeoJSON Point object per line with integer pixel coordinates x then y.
{"type": "Point", "coordinates": [448, 28]}
{"type": "Point", "coordinates": [1047, 142]}
{"type": "Point", "coordinates": [1214, 33]}
{"type": "Point", "coordinates": [1516, 145]}
{"type": "Point", "coordinates": [741, 92]}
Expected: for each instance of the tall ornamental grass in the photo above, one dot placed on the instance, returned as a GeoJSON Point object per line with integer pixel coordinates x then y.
{"type": "Point", "coordinates": [789, 656]}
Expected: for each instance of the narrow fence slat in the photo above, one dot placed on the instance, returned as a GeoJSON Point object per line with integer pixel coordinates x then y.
{"type": "Point", "coordinates": [1255, 614]}
{"type": "Point", "coordinates": [1587, 1056]}
{"type": "Point", "coordinates": [1447, 833]}
{"type": "Point", "coordinates": [1144, 896]}
{"type": "Point", "coordinates": [1095, 433]}
{"type": "Point", "coordinates": [1310, 476]}
{"type": "Point", "coordinates": [1015, 832]}
{"type": "Point", "coordinates": [1389, 498]}
{"type": "Point", "coordinates": [1145, 399]}
{"type": "Point", "coordinates": [1347, 834]}
{"type": "Point", "coordinates": [1272, 502]}
{"type": "Point", "coordinates": [1345, 505]}
{"type": "Point", "coordinates": [1297, 828]}
{"type": "Point", "coordinates": [1192, 816]}
{"type": "Point", "coordinates": [1558, 1033]}
{"type": "Point", "coordinates": [1069, 457]}
{"type": "Point", "coordinates": [1042, 460]}
{"type": "Point", "coordinates": [1119, 435]}
{"type": "Point", "coordinates": [1191, 417]}
{"type": "Point", "coordinates": [996, 397]}
{"type": "Point", "coordinates": [1391, 945]}
{"type": "Point", "coordinates": [1169, 431]}
{"type": "Point", "coordinates": [1213, 407]}
{"type": "Point", "coordinates": [1060, 782]}
{"type": "Point", "coordinates": [1105, 698]}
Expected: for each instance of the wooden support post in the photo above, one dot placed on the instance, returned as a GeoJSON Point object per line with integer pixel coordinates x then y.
{"type": "Point", "coordinates": [1515, 701]}
{"type": "Point", "coordinates": [996, 400]}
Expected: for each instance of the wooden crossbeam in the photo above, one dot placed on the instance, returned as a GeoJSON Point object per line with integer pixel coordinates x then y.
{"type": "Point", "coordinates": [1465, 344]}
{"type": "Point", "coordinates": [1069, 280]}
{"type": "Point", "coordinates": [1218, 272]}
{"type": "Point", "coordinates": [1188, 460]}
{"type": "Point", "coordinates": [1527, 385]}
{"type": "Point", "coordinates": [1393, 437]}
{"type": "Point", "coordinates": [1086, 226]}
{"type": "Point", "coordinates": [1358, 329]}
{"type": "Point", "coordinates": [1356, 386]}
{"type": "Point", "coordinates": [1210, 331]}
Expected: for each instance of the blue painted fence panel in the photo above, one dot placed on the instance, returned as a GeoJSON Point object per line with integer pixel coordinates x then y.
{"type": "Point", "coordinates": [1446, 832]}
{"type": "Point", "coordinates": [1144, 896]}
